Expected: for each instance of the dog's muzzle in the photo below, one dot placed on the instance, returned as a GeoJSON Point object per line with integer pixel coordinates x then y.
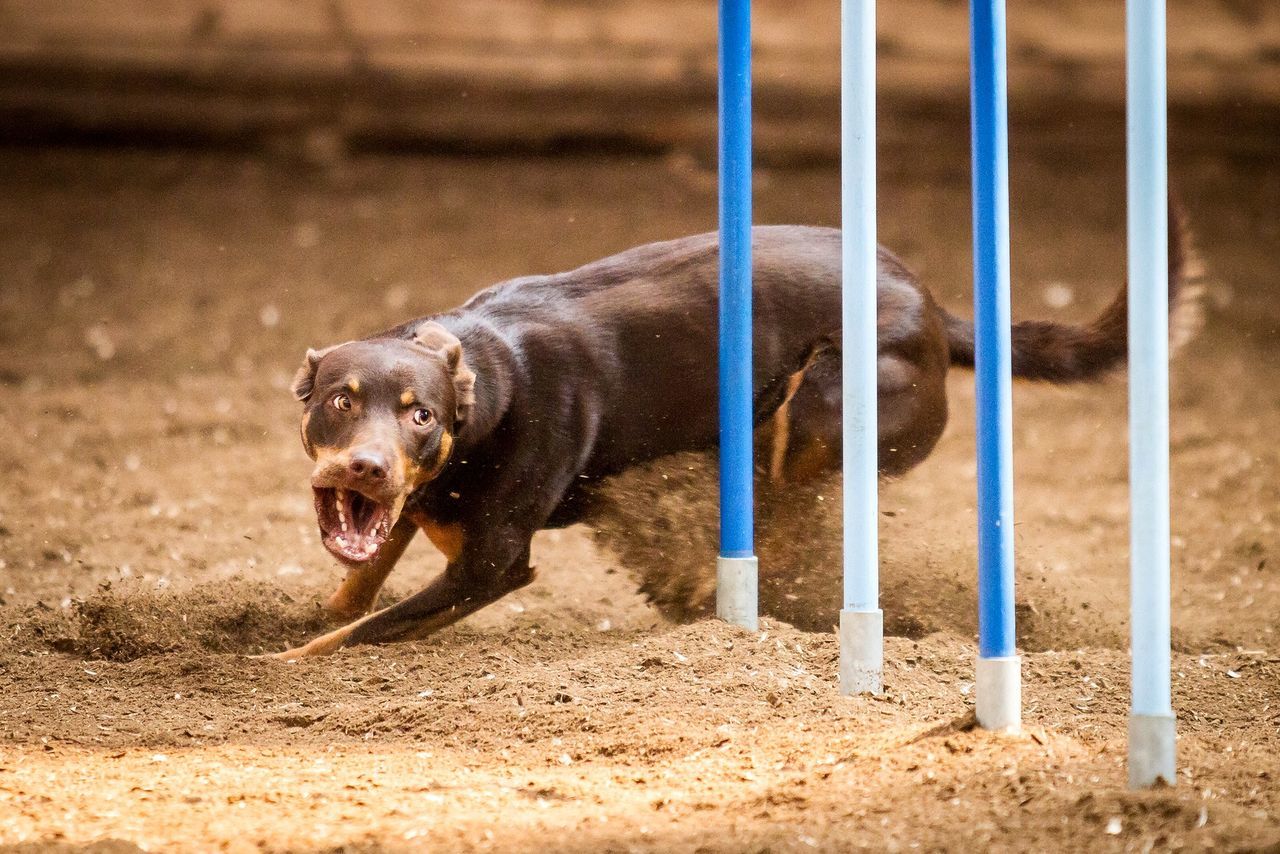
{"type": "Point", "coordinates": [353, 525]}
{"type": "Point", "coordinates": [358, 498]}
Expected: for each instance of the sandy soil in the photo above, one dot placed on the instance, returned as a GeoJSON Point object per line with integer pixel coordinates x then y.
{"type": "Point", "coordinates": [155, 527]}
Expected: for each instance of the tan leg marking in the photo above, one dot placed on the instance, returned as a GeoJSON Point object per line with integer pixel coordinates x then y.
{"type": "Point", "coordinates": [810, 461]}
{"type": "Point", "coordinates": [782, 431]}
{"type": "Point", "coordinates": [447, 538]}
{"type": "Point", "coordinates": [323, 645]}
{"type": "Point", "coordinates": [782, 420]}
{"type": "Point", "coordinates": [359, 590]}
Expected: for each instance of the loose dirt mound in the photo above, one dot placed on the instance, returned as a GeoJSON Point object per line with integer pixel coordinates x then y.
{"type": "Point", "coordinates": [661, 521]}
{"type": "Point", "coordinates": [126, 622]}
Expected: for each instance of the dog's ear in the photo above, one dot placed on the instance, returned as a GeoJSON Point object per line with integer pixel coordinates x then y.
{"type": "Point", "coordinates": [305, 379]}
{"type": "Point", "coordinates": [446, 345]}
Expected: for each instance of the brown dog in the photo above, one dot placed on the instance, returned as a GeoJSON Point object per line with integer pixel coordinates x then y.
{"type": "Point", "coordinates": [477, 426]}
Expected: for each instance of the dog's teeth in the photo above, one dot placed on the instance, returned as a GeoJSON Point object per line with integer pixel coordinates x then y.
{"type": "Point", "coordinates": [344, 525]}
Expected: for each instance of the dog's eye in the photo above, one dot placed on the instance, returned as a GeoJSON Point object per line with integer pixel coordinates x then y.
{"type": "Point", "coordinates": [422, 417]}
{"type": "Point", "coordinates": [342, 403]}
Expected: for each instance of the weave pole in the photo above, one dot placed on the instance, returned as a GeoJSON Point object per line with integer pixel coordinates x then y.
{"type": "Point", "coordinates": [998, 683]}
{"type": "Point", "coordinates": [736, 566]}
{"type": "Point", "coordinates": [861, 620]}
{"type": "Point", "coordinates": [1151, 721]}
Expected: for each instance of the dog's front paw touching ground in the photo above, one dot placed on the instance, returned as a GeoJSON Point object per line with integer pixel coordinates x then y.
{"type": "Point", "coordinates": [323, 645]}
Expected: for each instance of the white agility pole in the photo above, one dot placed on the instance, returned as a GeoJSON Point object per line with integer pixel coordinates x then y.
{"type": "Point", "coordinates": [1151, 722]}
{"type": "Point", "coordinates": [861, 620]}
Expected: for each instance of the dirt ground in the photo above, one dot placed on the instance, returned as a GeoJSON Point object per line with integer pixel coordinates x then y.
{"type": "Point", "coordinates": [156, 527]}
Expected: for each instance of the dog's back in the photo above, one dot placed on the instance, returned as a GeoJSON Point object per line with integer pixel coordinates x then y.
{"type": "Point", "coordinates": [637, 332]}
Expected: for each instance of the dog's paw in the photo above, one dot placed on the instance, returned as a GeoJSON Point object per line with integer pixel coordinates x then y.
{"type": "Point", "coordinates": [289, 656]}
{"type": "Point", "coordinates": [323, 645]}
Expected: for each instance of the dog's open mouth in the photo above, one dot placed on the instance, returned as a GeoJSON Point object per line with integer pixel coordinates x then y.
{"type": "Point", "coordinates": [352, 525]}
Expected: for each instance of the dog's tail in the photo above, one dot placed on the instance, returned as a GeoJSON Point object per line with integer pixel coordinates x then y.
{"type": "Point", "coordinates": [1064, 353]}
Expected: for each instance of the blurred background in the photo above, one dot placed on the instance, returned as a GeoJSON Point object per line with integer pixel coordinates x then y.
{"type": "Point", "coordinates": [517, 75]}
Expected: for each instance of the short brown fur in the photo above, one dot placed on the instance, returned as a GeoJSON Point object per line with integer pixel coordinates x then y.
{"type": "Point", "coordinates": [538, 385]}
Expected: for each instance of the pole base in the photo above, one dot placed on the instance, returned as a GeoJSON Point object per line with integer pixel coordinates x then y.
{"type": "Point", "coordinates": [1151, 750]}
{"type": "Point", "coordinates": [861, 651]}
{"type": "Point", "coordinates": [998, 692]}
{"type": "Point", "coordinates": [737, 591]}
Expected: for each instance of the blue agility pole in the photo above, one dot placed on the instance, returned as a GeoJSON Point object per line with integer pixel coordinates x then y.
{"type": "Point", "coordinates": [998, 683]}
{"type": "Point", "coordinates": [736, 569]}
{"type": "Point", "coordinates": [1151, 723]}
{"type": "Point", "coordinates": [861, 620]}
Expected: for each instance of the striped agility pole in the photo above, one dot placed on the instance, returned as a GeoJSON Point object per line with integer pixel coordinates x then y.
{"type": "Point", "coordinates": [736, 567]}
{"type": "Point", "coordinates": [998, 685]}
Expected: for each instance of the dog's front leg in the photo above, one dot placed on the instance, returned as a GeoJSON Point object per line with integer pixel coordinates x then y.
{"type": "Point", "coordinates": [467, 585]}
{"type": "Point", "coordinates": [360, 588]}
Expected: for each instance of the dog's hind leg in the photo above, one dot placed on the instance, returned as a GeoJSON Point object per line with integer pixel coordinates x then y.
{"type": "Point", "coordinates": [803, 440]}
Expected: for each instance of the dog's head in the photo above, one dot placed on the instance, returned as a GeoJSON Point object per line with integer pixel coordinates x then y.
{"type": "Point", "coordinates": [380, 421]}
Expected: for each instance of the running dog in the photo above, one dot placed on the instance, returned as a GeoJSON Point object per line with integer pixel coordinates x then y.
{"type": "Point", "coordinates": [479, 426]}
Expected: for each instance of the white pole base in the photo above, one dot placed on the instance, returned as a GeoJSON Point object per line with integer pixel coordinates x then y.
{"type": "Point", "coordinates": [737, 591]}
{"type": "Point", "coordinates": [998, 692]}
{"type": "Point", "coordinates": [861, 651]}
{"type": "Point", "coordinates": [1151, 750]}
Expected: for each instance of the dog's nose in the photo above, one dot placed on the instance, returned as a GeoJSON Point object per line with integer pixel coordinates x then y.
{"type": "Point", "coordinates": [368, 464]}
